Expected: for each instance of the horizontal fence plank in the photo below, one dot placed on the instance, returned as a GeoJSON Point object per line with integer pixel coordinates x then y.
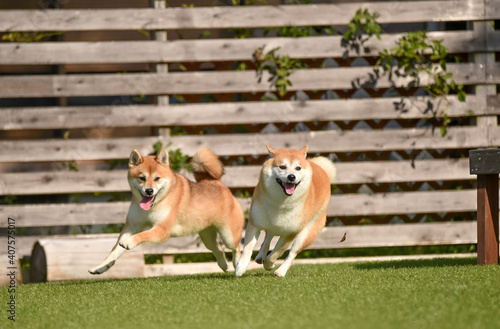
{"type": "Point", "coordinates": [341, 141]}
{"type": "Point", "coordinates": [50, 53]}
{"type": "Point", "coordinates": [362, 236]}
{"type": "Point", "coordinates": [402, 171]}
{"type": "Point", "coordinates": [396, 203]}
{"type": "Point", "coordinates": [241, 112]}
{"type": "Point", "coordinates": [393, 203]}
{"type": "Point", "coordinates": [362, 172]}
{"type": "Point", "coordinates": [229, 17]}
{"type": "Point", "coordinates": [66, 214]}
{"type": "Point", "coordinates": [42, 215]}
{"type": "Point", "coordinates": [215, 82]}
{"type": "Point", "coordinates": [250, 144]}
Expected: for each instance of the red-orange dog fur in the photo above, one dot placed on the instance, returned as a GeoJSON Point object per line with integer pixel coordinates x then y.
{"type": "Point", "coordinates": [290, 201]}
{"type": "Point", "coordinates": [166, 204]}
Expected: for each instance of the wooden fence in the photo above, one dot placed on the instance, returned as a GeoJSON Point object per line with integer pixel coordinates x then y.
{"type": "Point", "coordinates": [59, 132]}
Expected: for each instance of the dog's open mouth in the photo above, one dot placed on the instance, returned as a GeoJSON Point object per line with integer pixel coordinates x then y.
{"type": "Point", "coordinates": [147, 202]}
{"type": "Point", "coordinates": [288, 188]}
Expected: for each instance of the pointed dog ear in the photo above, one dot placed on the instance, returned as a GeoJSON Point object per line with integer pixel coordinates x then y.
{"type": "Point", "coordinates": [304, 150]}
{"type": "Point", "coordinates": [162, 157]}
{"type": "Point", "coordinates": [270, 150]}
{"type": "Point", "coordinates": [135, 159]}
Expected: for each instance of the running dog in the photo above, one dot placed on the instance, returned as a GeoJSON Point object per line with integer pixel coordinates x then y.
{"type": "Point", "coordinates": [165, 204]}
{"type": "Point", "coordinates": [290, 201]}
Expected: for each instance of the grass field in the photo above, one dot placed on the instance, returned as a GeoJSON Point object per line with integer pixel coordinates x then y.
{"type": "Point", "coordinates": [445, 293]}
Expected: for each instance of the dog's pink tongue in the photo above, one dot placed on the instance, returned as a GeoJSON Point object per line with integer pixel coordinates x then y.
{"type": "Point", "coordinates": [289, 188]}
{"type": "Point", "coordinates": [146, 203]}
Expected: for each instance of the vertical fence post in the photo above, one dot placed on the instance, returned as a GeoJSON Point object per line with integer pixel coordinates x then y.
{"type": "Point", "coordinates": [486, 165]}
{"type": "Point", "coordinates": [161, 36]}
{"type": "Point", "coordinates": [483, 31]}
{"type": "Point", "coordinates": [162, 100]}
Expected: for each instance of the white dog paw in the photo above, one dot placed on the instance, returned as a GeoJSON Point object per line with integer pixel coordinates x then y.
{"type": "Point", "coordinates": [101, 268]}
{"type": "Point", "coordinates": [239, 271]}
{"type": "Point", "coordinates": [93, 271]}
{"type": "Point", "coordinates": [280, 272]}
{"type": "Point", "coordinates": [126, 244]}
{"type": "Point", "coordinates": [268, 265]}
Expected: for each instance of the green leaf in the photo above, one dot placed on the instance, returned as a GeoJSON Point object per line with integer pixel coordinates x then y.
{"type": "Point", "coordinates": [443, 131]}
{"type": "Point", "coordinates": [461, 96]}
{"type": "Point", "coordinates": [447, 76]}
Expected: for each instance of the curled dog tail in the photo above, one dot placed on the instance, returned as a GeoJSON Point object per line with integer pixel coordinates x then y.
{"type": "Point", "coordinates": [206, 165]}
{"type": "Point", "coordinates": [327, 166]}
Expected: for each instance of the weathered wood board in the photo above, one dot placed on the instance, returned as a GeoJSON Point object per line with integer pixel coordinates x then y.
{"type": "Point", "coordinates": [50, 53]}
{"type": "Point", "coordinates": [229, 17]}
{"type": "Point", "coordinates": [109, 117]}
{"type": "Point", "coordinates": [218, 82]}
{"type": "Point", "coordinates": [250, 144]}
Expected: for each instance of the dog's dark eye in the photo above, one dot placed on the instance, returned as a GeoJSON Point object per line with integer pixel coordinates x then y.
{"type": "Point", "coordinates": [142, 178]}
{"type": "Point", "coordinates": [297, 168]}
{"type": "Point", "coordinates": [283, 167]}
{"type": "Point", "coordinates": [157, 179]}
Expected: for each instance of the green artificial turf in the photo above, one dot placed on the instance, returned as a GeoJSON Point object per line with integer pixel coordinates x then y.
{"type": "Point", "coordinates": [445, 293]}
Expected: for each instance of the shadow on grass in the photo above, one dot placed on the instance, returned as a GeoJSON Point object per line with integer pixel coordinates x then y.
{"type": "Point", "coordinates": [415, 263]}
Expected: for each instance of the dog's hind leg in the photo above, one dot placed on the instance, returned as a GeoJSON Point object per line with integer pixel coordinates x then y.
{"type": "Point", "coordinates": [264, 249]}
{"type": "Point", "coordinates": [281, 246]}
{"type": "Point", "coordinates": [115, 253]}
{"type": "Point", "coordinates": [209, 238]}
{"type": "Point", "coordinates": [304, 239]}
{"type": "Point", "coordinates": [231, 240]}
{"type": "Point", "coordinates": [251, 236]}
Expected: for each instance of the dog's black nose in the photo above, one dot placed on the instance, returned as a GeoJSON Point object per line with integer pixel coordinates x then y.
{"type": "Point", "coordinates": [149, 191]}
{"type": "Point", "coordinates": [291, 177]}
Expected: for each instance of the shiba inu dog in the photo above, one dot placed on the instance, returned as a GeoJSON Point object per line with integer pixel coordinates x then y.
{"type": "Point", "coordinates": [165, 204]}
{"type": "Point", "coordinates": [290, 201]}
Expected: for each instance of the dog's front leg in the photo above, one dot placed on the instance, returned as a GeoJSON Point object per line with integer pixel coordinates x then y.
{"type": "Point", "coordinates": [156, 234]}
{"type": "Point", "coordinates": [115, 253]}
{"type": "Point", "coordinates": [251, 236]}
{"type": "Point", "coordinates": [264, 249]}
